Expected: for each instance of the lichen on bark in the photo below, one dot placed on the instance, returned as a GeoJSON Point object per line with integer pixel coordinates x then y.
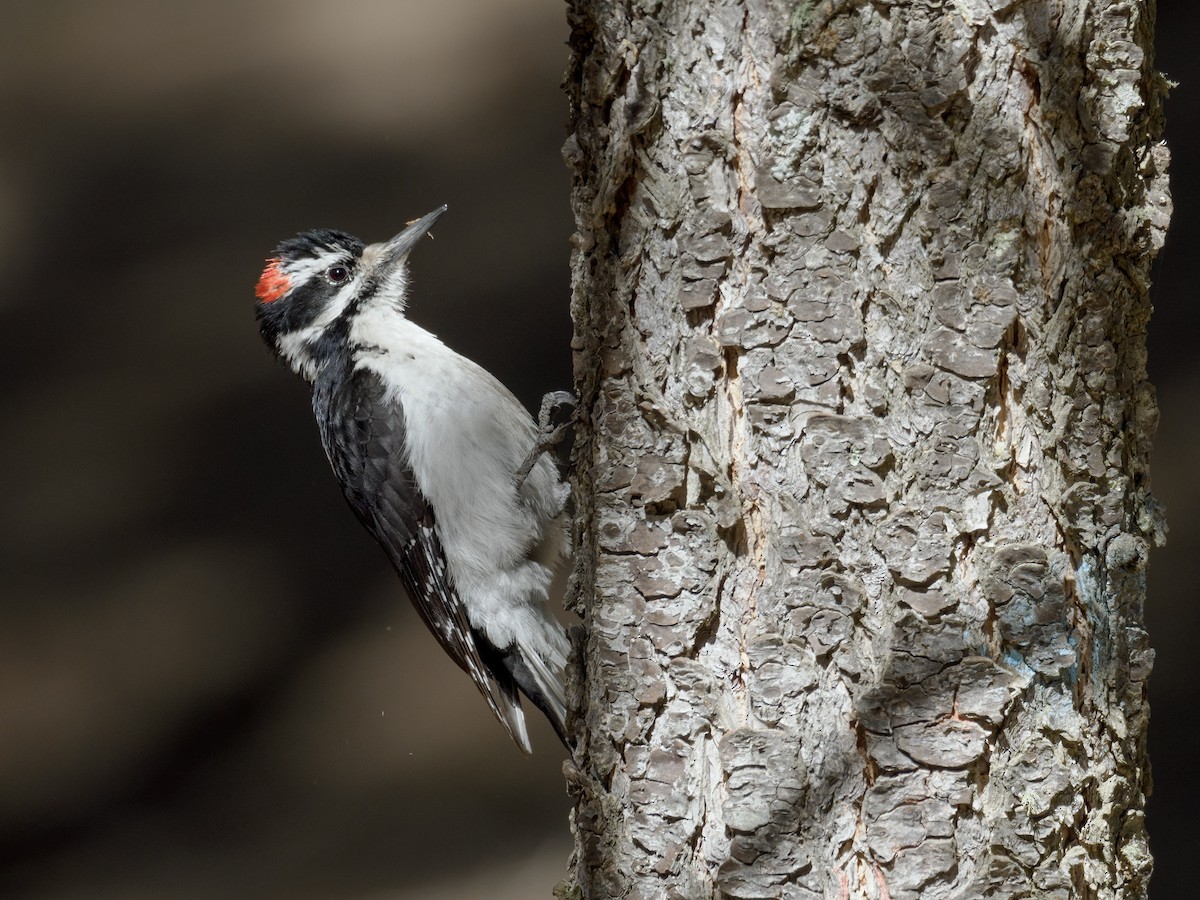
{"type": "Point", "coordinates": [860, 301]}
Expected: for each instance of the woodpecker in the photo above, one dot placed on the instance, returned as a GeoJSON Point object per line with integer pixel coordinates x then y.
{"type": "Point", "coordinates": [439, 461]}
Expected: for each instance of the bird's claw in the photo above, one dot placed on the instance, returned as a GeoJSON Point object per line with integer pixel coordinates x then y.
{"type": "Point", "coordinates": [549, 435]}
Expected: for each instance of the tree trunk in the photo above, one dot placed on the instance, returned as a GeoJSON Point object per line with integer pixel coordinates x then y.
{"type": "Point", "coordinates": [860, 303]}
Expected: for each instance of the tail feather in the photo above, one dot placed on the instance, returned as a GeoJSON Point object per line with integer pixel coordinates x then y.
{"type": "Point", "coordinates": [506, 704]}
{"type": "Point", "coordinates": [540, 678]}
{"type": "Point", "coordinates": [548, 683]}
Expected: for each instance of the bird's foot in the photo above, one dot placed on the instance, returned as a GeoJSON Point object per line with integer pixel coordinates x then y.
{"type": "Point", "coordinates": [549, 434]}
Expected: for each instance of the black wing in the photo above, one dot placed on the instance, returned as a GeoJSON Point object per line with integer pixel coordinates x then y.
{"type": "Point", "coordinates": [363, 435]}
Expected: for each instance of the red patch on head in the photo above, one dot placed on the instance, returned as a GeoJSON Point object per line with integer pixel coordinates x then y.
{"type": "Point", "coordinates": [273, 283]}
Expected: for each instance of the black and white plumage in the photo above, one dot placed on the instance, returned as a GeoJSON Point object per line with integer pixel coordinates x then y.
{"type": "Point", "coordinates": [427, 446]}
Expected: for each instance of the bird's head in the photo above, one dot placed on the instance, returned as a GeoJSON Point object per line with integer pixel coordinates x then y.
{"type": "Point", "coordinates": [315, 282]}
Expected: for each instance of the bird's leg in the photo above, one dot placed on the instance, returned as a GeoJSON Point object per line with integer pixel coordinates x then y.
{"type": "Point", "coordinates": [549, 435]}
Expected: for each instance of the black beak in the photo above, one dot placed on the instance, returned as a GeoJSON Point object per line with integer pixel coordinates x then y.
{"type": "Point", "coordinates": [398, 248]}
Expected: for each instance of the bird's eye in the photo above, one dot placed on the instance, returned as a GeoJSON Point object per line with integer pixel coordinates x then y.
{"type": "Point", "coordinates": [337, 274]}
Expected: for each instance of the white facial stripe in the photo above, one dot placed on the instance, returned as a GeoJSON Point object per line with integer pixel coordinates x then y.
{"type": "Point", "coordinates": [294, 345]}
{"type": "Point", "coordinates": [304, 270]}
{"type": "Point", "coordinates": [335, 308]}
{"type": "Point", "coordinates": [301, 270]}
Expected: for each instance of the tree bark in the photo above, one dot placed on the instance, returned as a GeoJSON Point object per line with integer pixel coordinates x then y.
{"type": "Point", "coordinates": [860, 304]}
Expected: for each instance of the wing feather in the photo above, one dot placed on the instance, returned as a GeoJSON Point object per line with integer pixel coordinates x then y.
{"type": "Point", "coordinates": [363, 433]}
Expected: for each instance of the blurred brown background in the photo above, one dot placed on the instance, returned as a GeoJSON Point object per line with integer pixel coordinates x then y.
{"type": "Point", "coordinates": [210, 685]}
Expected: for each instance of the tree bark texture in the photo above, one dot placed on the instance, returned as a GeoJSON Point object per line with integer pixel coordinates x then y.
{"type": "Point", "coordinates": [860, 299]}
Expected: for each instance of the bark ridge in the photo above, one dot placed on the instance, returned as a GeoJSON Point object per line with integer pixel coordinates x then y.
{"type": "Point", "coordinates": [860, 295]}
